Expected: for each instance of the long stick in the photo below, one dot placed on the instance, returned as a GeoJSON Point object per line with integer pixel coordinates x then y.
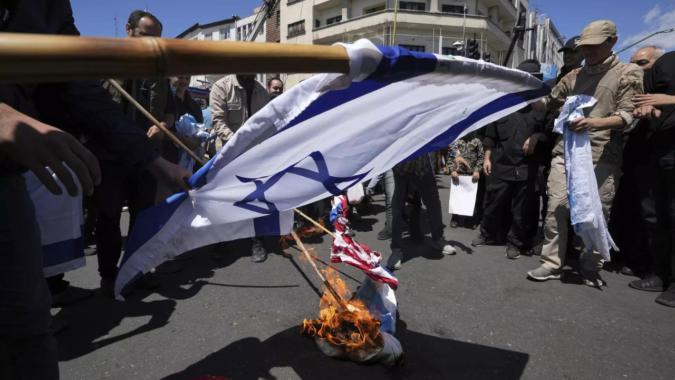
{"type": "Point", "coordinates": [314, 222]}
{"type": "Point", "coordinates": [152, 118]}
{"type": "Point", "coordinates": [36, 58]}
{"type": "Point", "coordinates": [330, 288]}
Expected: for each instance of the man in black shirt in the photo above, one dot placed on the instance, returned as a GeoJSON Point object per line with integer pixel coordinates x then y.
{"type": "Point", "coordinates": [512, 168]}
{"type": "Point", "coordinates": [572, 57]}
{"type": "Point", "coordinates": [658, 195]}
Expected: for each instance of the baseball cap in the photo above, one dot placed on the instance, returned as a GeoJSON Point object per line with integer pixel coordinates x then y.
{"type": "Point", "coordinates": [530, 66]}
{"type": "Point", "coordinates": [571, 44]}
{"type": "Point", "coordinates": [597, 32]}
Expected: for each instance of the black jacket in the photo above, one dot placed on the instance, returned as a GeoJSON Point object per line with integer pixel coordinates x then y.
{"type": "Point", "coordinates": [76, 107]}
{"type": "Point", "coordinates": [506, 137]}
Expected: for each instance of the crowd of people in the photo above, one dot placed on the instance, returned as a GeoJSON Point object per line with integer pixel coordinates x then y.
{"type": "Point", "coordinates": [125, 162]}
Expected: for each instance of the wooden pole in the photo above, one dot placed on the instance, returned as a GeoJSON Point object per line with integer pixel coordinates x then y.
{"type": "Point", "coordinates": [330, 288]}
{"type": "Point", "coordinates": [39, 58]}
{"type": "Point", "coordinates": [152, 118]}
{"type": "Point", "coordinates": [314, 222]}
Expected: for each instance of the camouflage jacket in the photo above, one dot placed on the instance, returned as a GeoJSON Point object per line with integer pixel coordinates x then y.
{"type": "Point", "coordinates": [613, 84]}
{"type": "Point", "coordinates": [471, 150]}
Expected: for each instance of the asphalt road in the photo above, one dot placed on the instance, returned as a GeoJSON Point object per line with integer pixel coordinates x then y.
{"type": "Point", "coordinates": [470, 316]}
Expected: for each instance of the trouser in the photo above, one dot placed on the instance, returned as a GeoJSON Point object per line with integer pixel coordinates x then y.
{"type": "Point", "coordinates": [428, 191]}
{"type": "Point", "coordinates": [89, 209]}
{"type": "Point", "coordinates": [558, 214]}
{"type": "Point", "coordinates": [389, 186]}
{"type": "Point", "coordinates": [477, 217]}
{"type": "Point", "coordinates": [658, 210]}
{"type": "Point", "coordinates": [27, 348]}
{"type": "Point", "coordinates": [118, 183]}
{"type": "Point", "coordinates": [540, 202]}
{"type": "Point", "coordinates": [502, 196]}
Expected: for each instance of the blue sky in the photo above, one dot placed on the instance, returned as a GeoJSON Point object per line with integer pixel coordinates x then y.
{"type": "Point", "coordinates": [634, 19]}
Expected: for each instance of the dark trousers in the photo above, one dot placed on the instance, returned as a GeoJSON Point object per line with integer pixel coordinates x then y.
{"type": "Point", "coordinates": [625, 225]}
{"type": "Point", "coordinates": [470, 221]}
{"type": "Point", "coordinates": [118, 184]}
{"type": "Point", "coordinates": [500, 195]}
{"type": "Point", "coordinates": [658, 210]}
{"type": "Point", "coordinates": [27, 348]}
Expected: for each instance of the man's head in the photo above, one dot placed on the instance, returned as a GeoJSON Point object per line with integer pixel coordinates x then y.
{"type": "Point", "coordinates": [181, 83]}
{"type": "Point", "coordinates": [597, 40]}
{"type": "Point", "coordinates": [572, 55]}
{"type": "Point", "coordinates": [245, 80]}
{"type": "Point", "coordinates": [275, 87]}
{"type": "Point", "coordinates": [143, 24]}
{"type": "Point", "coordinates": [532, 67]}
{"type": "Point", "coordinates": [646, 56]}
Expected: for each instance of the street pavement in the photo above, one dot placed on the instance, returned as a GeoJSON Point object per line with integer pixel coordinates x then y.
{"type": "Point", "coordinates": [470, 316]}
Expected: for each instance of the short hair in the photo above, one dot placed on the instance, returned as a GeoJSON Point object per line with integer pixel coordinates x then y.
{"type": "Point", "coordinates": [269, 81]}
{"type": "Point", "coordinates": [658, 50]}
{"type": "Point", "coordinates": [136, 16]}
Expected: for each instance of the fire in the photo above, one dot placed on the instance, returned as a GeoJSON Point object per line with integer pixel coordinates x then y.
{"type": "Point", "coordinates": [348, 329]}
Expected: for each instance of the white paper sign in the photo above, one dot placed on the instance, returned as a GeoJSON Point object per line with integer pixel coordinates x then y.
{"type": "Point", "coordinates": [463, 195]}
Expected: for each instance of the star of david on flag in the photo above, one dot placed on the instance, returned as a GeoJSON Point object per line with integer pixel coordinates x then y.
{"type": "Point", "coordinates": [328, 133]}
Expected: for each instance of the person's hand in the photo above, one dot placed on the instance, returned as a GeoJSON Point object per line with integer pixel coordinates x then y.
{"type": "Point", "coordinates": [646, 112]}
{"type": "Point", "coordinates": [487, 167]}
{"type": "Point", "coordinates": [582, 124]}
{"type": "Point", "coordinates": [656, 100]}
{"type": "Point", "coordinates": [530, 145]}
{"type": "Point", "coordinates": [170, 175]}
{"type": "Point", "coordinates": [454, 175]}
{"type": "Point", "coordinates": [475, 177]}
{"type": "Point", "coordinates": [462, 161]}
{"type": "Point", "coordinates": [155, 133]}
{"type": "Point", "coordinates": [36, 145]}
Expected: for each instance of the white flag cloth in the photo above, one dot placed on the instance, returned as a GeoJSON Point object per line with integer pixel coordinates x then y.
{"type": "Point", "coordinates": [323, 136]}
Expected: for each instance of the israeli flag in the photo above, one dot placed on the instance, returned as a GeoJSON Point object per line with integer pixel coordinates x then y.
{"type": "Point", "coordinates": [324, 135]}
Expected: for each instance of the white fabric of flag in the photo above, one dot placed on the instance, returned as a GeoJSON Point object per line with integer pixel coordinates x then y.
{"type": "Point", "coordinates": [326, 134]}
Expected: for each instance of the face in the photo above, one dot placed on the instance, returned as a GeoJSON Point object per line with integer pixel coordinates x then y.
{"type": "Point", "coordinates": [146, 28]}
{"type": "Point", "coordinates": [181, 83]}
{"type": "Point", "coordinates": [245, 79]}
{"type": "Point", "coordinates": [276, 87]}
{"type": "Point", "coordinates": [644, 58]}
{"type": "Point", "coordinates": [573, 58]}
{"type": "Point", "coordinates": [596, 54]}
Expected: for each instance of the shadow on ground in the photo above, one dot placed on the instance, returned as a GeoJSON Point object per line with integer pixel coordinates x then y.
{"type": "Point", "coordinates": [426, 357]}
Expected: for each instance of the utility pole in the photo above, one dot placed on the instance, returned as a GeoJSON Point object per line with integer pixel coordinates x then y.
{"type": "Point", "coordinates": [466, 10]}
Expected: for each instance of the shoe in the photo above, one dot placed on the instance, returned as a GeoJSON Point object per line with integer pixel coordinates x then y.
{"type": "Point", "coordinates": [454, 224]}
{"type": "Point", "coordinates": [90, 252]}
{"type": "Point", "coordinates": [384, 234]}
{"type": "Point", "coordinates": [512, 252]}
{"type": "Point", "coordinates": [108, 288]}
{"type": "Point", "coordinates": [148, 281]}
{"type": "Point", "coordinates": [543, 274]}
{"type": "Point", "coordinates": [667, 298]}
{"type": "Point", "coordinates": [354, 216]}
{"type": "Point", "coordinates": [481, 240]}
{"type": "Point", "coordinates": [394, 262]}
{"type": "Point", "coordinates": [537, 249]}
{"type": "Point", "coordinates": [71, 295]}
{"type": "Point", "coordinates": [185, 256]}
{"type": "Point", "coordinates": [651, 283]}
{"type": "Point", "coordinates": [628, 272]}
{"type": "Point", "coordinates": [258, 253]}
{"type": "Point", "coordinates": [443, 245]}
{"type": "Point", "coordinates": [168, 267]}
{"type": "Point", "coordinates": [593, 279]}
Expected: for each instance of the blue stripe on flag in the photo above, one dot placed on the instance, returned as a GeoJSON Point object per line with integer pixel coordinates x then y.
{"type": "Point", "coordinates": [400, 64]}
{"type": "Point", "coordinates": [199, 179]}
{"type": "Point", "coordinates": [149, 222]}
{"type": "Point", "coordinates": [62, 252]}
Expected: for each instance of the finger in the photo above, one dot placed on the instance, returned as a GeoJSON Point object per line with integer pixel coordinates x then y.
{"type": "Point", "coordinates": [89, 160]}
{"type": "Point", "coordinates": [47, 179]}
{"type": "Point", "coordinates": [64, 176]}
{"type": "Point", "coordinates": [656, 112]}
{"type": "Point", "coordinates": [81, 172]}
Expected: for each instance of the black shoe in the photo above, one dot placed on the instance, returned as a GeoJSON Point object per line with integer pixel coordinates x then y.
{"type": "Point", "coordinates": [481, 240]}
{"type": "Point", "coordinates": [651, 283]}
{"type": "Point", "coordinates": [667, 298]}
{"type": "Point", "coordinates": [258, 253]}
{"type": "Point", "coordinates": [512, 252]}
{"type": "Point", "coordinates": [592, 279]}
{"type": "Point", "coordinates": [108, 288]}
{"type": "Point", "coordinates": [628, 272]}
{"type": "Point", "coordinates": [454, 224]}
{"type": "Point", "coordinates": [384, 234]}
{"type": "Point", "coordinates": [71, 295]}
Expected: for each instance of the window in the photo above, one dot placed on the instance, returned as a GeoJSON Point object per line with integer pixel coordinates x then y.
{"type": "Point", "coordinates": [278, 19]}
{"type": "Point", "coordinates": [377, 8]}
{"type": "Point", "coordinates": [208, 37]}
{"type": "Point", "coordinates": [225, 34]}
{"type": "Point", "coordinates": [410, 6]}
{"type": "Point", "coordinates": [334, 20]}
{"type": "Point", "coordinates": [296, 28]}
{"type": "Point", "coordinates": [317, 23]}
{"type": "Point", "coordinates": [419, 48]}
{"type": "Point", "coordinates": [239, 34]}
{"type": "Point", "coordinates": [452, 9]}
{"type": "Point", "coordinates": [449, 51]}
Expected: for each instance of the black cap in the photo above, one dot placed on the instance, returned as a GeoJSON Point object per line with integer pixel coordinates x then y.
{"type": "Point", "coordinates": [571, 44]}
{"type": "Point", "coordinates": [531, 66]}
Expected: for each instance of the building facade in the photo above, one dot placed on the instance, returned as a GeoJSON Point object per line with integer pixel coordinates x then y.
{"type": "Point", "coordinates": [543, 43]}
{"type": "Point", "coordinates": [432, 26]}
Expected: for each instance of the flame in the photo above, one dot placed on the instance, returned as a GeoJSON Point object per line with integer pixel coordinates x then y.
{"type": "Point", "coordinates": [303, 232]}
{"type": "Point", "coordinates": [349, 329]}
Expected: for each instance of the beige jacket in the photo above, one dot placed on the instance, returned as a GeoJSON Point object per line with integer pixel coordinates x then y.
{"type": "Point", "coordinates": [229, 110]}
